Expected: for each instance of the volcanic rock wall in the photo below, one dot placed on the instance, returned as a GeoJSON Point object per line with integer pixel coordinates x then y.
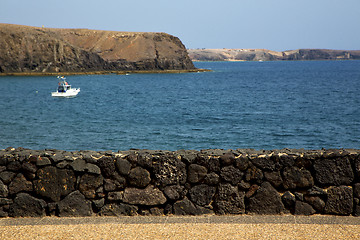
{"type": "Point", "coordinates": [142, 182]}
{"type": "Point", "coordinates": [48, 50]}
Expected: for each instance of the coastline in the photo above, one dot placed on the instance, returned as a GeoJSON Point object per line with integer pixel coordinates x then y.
{"type": "Point", "coordinates": [102, 72]}
{"type": "Point", "coordinates": [269, 55]}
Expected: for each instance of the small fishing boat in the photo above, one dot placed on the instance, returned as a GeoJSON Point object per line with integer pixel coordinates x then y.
{"type": "Point", "coordinates": [64, 89]}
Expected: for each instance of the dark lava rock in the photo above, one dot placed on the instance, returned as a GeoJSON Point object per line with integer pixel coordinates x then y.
{"type": "Point", "coordinates": [74, 205]}
{"type": "Point", "coordinates": [303, 162]}
{"type": "Point", "coordinates": [196, 173]}
{"type": "Point", "coordinates": [202, 194]}
{"type": "Point", "coordinates": [254, 174]}
{"type": "Point", "coordinates": [244, 185]}
{"type": "Point", "coordinates": [357, 190]}
{"type": "Point", "coordinates": [213, 152]}
{"type": "Point", "coordinates": [89, 184]}
{"type": "Point", "coordinates": [139, 177]}
{"type": "Point", "coordinates": [175, 192]}
{"type": "Point", "coordinates": [118, 209]}
{"type": "Point", "coordinates": [340, 200]}
{"type": "Point", "coordinates": [107, 166]}
{"type": "Point", "coordinates": [80, 165]}
{"type": "Point", "coordinates": [132, 158]}
{"type": "Point", "coordinates": [357, 165]}
{"type": "Point", "coordinates": [188, 156]}
{"type": "Point", "coordinates": [26, 205]}
{"type": "Point", "coordinates": [293, 177]}
{"type": "Point", "coordinates": [302, 208]}
{"type": "Point", "coordinates": [53, 183]}
{"type": "Point", "coordinates": [299, 196]}
{"type": "Point", "coordinates": [52, 209]}
{"type": "Point", "coordinates": [115, 196]}
{"type": "Point", "coordinates": [3, 159]}
{"type": "Point", "coordinates": [149, 196]}
{"type": "Point", "coordinates": [287, 160]}
{"type": "Point", "coordinates": [316, 202]}
{"type": "Point", "coordinates": [63, 164]}
{"type": "Point", "coordinates": [28, 167]}
{"type": "Point", "coordinates": [264, 163]}
{"type": "Point", "coordinates": [242, 163]}
{"type": "Point", "coordinates": [5, 201]}
{"type": "Point", "coordinates": [266, 201]}
{"type": "Point", "coordinates": [14, 166]}
{"type": "Point", "coordinates": [123, 166]}
{"type": "Point", "coordinates": [60, 156]}
{"type": "Point", "coordinates": [7, 176]}
{"type": "Point", "coordinates": [227, 159]}
{"type": "Point", "coordinates": [20, 184]}
{"type": "Point", "coordinates": [357, 211]}
{"type": "Point", "coordinates": [252, 190]}
{"type": "Point", "coordinates": [3, 213]}
{"type": "Point", "coordinates": [315, 191]}
{"type": "Point", "coordinates": [229, 200]}
{"type": "Point", "coordinates": [145, 160]}
{"type": "Point", "coordinates": [212, 164]}
{"type": "Point", "coordinates": [3, 190]}
{"type": "Point", "coordinates": [288, 199]}
{"type": "Point", "coordinates": [231, 174]}
{"type": "Point", "coordinates": [43, 161]}
{"type": "Point", "coordinates": [90, 156]}
{"type": "Point", "coordinates": [156, 211]}
{"type": "Point", "coordinates": [99, 203]}
{"type": "Point", "coordinates": [117, 182]}
{"type": "Point", "coordinates": [169, 171]}
{"type": "Point", "coordinates": [333, 171]}
{"type": "Point", "coordinates": [186, 207]}
{"type": "Point", "coordinates": [274, 178]}
{"type": "Point", "coordinates": [211, 178]}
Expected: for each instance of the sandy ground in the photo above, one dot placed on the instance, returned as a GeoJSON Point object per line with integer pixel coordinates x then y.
{"type": "Point", "coordinates": [204, 227]}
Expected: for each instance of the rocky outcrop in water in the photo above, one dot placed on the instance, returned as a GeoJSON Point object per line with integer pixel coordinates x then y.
{"type": "Point", "coordinates": [45, 50]}
{"type": "Point", "coordinates": [268, 55]}
{"type": "Point", "coordinates": [185, 182]}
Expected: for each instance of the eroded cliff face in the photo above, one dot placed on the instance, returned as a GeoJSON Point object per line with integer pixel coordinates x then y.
{"type": "Point", "coordinates": [31, 49]}
{"type": "Point", "coordinates": [268, 55]}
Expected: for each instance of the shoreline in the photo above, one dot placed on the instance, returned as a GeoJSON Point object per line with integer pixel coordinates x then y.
{"type": "Point", "coordinates": [103, 72]}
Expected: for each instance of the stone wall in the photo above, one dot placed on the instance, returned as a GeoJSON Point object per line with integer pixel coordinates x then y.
{"type": "Point", "coordinates": [185, 182]}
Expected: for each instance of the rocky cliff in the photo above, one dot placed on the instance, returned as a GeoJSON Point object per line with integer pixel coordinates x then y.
{"type": "Point", "coordinates": [46, 50]}
{"type": "Point", "coordinates": [268, 55]}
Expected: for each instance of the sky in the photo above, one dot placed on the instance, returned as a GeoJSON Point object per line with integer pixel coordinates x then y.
{"type": "Point", "coordinates": [269, 24]}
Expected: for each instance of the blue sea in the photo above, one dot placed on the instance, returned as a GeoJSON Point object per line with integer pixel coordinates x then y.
{"type": "Point", "coordinates": [260, 105]}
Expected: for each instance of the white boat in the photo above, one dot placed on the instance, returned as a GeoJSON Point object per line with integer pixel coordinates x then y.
{"type": "Point", "coordinates": [64, 89]}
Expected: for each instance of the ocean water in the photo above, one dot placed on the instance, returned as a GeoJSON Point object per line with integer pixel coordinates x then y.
{"type": "Point", "coordinates": [261, 105]}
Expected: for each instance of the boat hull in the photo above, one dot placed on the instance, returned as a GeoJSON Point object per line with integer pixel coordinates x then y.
{"type": "Point", "coordinates": [68, 94]}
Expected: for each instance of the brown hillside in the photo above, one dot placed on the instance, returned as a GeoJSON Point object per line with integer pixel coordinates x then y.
{"type": "Point", "coordinates": [268, 55]}
{"type": "Point", "coordinates": [33, 49]}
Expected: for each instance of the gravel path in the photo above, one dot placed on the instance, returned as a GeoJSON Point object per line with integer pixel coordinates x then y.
{"type": "Point", "coordinates": [173, 227]}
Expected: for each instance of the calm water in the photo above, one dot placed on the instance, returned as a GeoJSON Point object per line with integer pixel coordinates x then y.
{"type": "Point", "coordinates": [261, 105]}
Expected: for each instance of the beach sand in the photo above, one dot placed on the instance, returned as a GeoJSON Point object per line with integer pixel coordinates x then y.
{"type": "Point", "coordinates": [203, 227]}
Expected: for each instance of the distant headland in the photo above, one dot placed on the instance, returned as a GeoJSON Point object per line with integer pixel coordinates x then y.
{"type": "Point", "coordinates": [268, 55]}
{"type": "Point", "coordinates": [46, 51]}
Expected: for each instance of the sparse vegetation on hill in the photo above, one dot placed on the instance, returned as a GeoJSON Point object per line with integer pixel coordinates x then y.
{"type": "Point", "coordinates": [27, 49]}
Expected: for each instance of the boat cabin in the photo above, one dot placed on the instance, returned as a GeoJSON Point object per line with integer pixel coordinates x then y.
{"type": "Point", "coordinates": [63, 86]}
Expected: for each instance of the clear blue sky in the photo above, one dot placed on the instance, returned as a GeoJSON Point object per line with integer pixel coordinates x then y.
{"type": "Point", "coordinates": [270, 24]}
